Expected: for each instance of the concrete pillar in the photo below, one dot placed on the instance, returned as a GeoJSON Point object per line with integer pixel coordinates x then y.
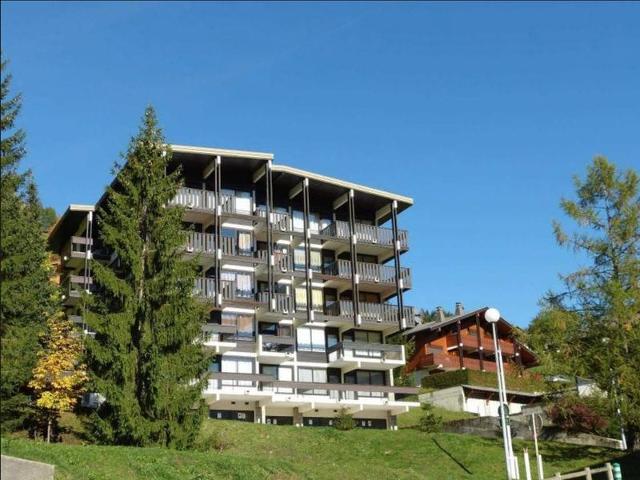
{"type": "Point", "coordinates": [392, 421]}
{"type": "Point", "coordinates": [297, 417]}
{"type": "Point", "coordinates": [259, 413]}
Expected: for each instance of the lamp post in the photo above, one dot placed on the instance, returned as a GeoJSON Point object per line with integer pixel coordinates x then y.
{"type": "Point", "coordinates": [492, 315]}
{"type": "Point", "coordinates": [616, 398]}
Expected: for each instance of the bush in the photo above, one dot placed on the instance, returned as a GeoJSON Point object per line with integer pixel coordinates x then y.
{"type": "Point", "coordinates": [429, 421]}
{"type": "Point", "coordinates": [215, 441]}
{"type": "Point", "coordinates": [344, 420]}
{"type": "Point", "coordinates": [573, 414]}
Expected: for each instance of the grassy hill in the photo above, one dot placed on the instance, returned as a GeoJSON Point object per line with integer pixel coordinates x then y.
{"type": "Point", "coordinates": [234, 450]}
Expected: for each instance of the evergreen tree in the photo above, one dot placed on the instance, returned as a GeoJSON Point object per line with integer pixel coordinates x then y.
{"type": "Point", "coordinates": [605, 294]}
{"type": "Point", "coordinates": [25, 290]}
{"type": "Point", "coordinates": [144, 358]}
{"type": "Point", "coordinates": [59, 376]}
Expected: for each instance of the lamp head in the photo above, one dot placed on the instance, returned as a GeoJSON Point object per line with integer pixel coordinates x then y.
{"type": "Point", "coordinates": [492, 315]}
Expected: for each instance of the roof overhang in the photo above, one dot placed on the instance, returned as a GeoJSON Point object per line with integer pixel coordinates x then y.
{"type": "Point", "coordinates": [67, 225]}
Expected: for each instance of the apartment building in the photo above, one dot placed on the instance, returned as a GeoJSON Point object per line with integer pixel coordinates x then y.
{"type": "Point", "coordinates": [302, 279]}
{"type": "Point", "coordinates": [465, 341]}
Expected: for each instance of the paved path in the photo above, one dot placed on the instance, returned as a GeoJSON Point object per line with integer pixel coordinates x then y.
{"type": "Point", "coordinates": [13, 468]}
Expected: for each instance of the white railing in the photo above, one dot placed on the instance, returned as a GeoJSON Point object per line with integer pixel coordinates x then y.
{"type": "Point", "coordinates": [195, 198]}
{"type": "Point", "coordinates": [200, 242]}
{"type": "Point", "coordinates": [205, 287]}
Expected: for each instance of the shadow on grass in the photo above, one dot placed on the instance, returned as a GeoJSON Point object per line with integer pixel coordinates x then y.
{"type": "Point", "coordinates": [460, 464]}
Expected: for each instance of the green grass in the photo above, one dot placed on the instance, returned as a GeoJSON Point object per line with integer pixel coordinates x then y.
{"type": "Point", "coordinates": [528, 382]}
{"type": "Point", "coordinates": [412, 417]}
{"type": "Point", "coordinates": [286, 453]}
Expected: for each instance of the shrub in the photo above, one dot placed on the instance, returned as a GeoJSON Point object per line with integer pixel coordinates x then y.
{"type": "Point", "coordinates": [573, 414]}
{"type": "Point", "coordinates": [429, 421]}
{"type": "Point", "coordinates": [344, 420]}
{"type": "Point", "coordinates": [215, 441]}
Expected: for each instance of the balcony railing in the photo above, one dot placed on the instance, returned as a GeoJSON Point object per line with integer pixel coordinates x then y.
{"type": "Point", "coordinates": [195, 198]}
{"type": "Point", "coordinates": [363, 351]}
{"type": "Point", "coordinates": [370, 272]}
{"type": "Point", "coordinates": [276, 344]}
{"type": "Point", "coordinates": [205, 287]}
{"type": "Point", "coordinates": [376, 312]}
{"type": "Point", "coordinates": [200, 243]}
{"type": "Point", "coordinates": [282, 302]}
{"type": "Point", "coordinates": [75, 285]}
{"type": "Point", "coordinates": [336, 391]}
{"type": "Point", "coordinates": [471, 341]}
{"type": "Point", "coordinates": [367, 234]}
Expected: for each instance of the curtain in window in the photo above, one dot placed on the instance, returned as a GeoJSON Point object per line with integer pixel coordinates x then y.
{"type": "Point", "coordinates": [298, 221]}
{"type": "Point", "coordinates": [245, 243]}
{"type": "Point", "coordinates": [304, 339]}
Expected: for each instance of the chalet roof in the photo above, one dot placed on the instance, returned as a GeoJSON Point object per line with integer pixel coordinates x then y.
{"type": "Point", "coordinates": [67, 224]}
{"type": "Point", "coordinates": [450, 320]}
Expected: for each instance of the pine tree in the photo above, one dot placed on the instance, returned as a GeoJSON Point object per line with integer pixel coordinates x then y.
{"type": "Point", "coordinates": [144, 357]}
{"type": "Point", "coordinates": [58, 377]}
{"type": "Point", "coordinates": [25, 290]}
{"type": "Point", "coordinates": [605, 294]}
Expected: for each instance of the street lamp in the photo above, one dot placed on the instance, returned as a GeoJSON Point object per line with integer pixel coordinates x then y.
{"type": "Point", "coordinates": [492, 315]}
{"type": "Point", "coordinates": [616, 398]}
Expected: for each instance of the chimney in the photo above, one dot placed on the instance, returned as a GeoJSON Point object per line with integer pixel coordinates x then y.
{"type": "Point", "coordinates": [459, 309]}
{"type": "Point", "coordinates": [439, 314]}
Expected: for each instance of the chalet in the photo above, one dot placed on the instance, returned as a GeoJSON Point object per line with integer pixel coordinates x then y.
{"type": "Point", "coordinates": [464, 341]}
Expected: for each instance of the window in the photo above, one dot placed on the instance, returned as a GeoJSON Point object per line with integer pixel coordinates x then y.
{"type": "Point", "coordinates": [312, 375]}
{"type": "Point", "coordinates": [239, 284]}
{"type": "Point", "coordinates": [366, 377]}
{"type": "Point", "coordinates": [315, 258]}
{"type": "Point", "coordinates": [237, 365]}
{"type": "Point", "coordinates": [365, 336]}
{"type": "Point", "coordinates": [311, 339]}
{"type": "Point", "coordinates": [243, 323]}
{"type": "Point", "coordinates": [316, 299]}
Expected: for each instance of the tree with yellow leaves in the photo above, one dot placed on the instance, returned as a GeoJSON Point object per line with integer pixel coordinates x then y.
{"type": "Point", "coordinates": [59, 377]}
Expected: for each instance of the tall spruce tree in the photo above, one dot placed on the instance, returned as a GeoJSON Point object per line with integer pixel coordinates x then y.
{"type": "Point", "coordinates": [144, 358]}
{"type": "Point", "coordinates": [26, 294]}
{"type": "Point", "coordinates": [605, 293]}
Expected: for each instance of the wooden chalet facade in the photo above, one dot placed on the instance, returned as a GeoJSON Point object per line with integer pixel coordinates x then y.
{"type": "Point", "coordinates": [465, 341]}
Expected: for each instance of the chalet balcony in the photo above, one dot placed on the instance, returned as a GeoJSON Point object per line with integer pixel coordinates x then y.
{"type": "Point", "coordinates": [367, 234]}
{"type": "Point", "coordinates": [355, 355]}
{"type": "Point", "coordinates": [371, 273]}
{"type": "Point", "coordinates": [470, 343]}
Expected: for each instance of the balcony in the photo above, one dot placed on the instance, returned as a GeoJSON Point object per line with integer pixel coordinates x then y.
{"type": "Point", "coordinates": [74, 286]}
{"type": "Point", "coordinates": [205, 289]}
{"type": "Point", "coordinates": [77, 251]}
{"type": "Point", "coordinates": [275, 348]}
{"type": "Point", "coordinates": [376, 312]}
{"type": "Point", "coordinates": [367, 234]}
{"type": "Point", "coordinates": [355, 355]}
{"type": "Point", "coordinates": [219, 338]}
{"type": "Point", "coordinates": [194, 198]}
{"type": "Point", "coordinates": [470, 343]}
{"type": "Point", "coordinates": [202, 203]}
{"type": "Point", "coordinates": [282, 303]}
{"type": "Point", "coordinates": [371, 273]}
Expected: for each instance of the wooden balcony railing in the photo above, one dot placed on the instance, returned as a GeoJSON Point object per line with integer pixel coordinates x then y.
{"type": "Point", "coordinates": [376, 312]}
{"type": "Point", "coordinates": [283, 302]}
{"type": "Point", "coordinates": [200, 243]}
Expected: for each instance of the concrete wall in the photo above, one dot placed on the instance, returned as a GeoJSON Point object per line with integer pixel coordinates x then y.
{"type": "Point", "coordinates": [13, 468]}
{"type": "Point", "coordinates": [453, 399]}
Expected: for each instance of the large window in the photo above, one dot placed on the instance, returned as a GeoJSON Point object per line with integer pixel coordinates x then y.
{"type": "Point", "coordinates": [239, 284]}
{"type": "Point", "coordinates": [311, 339]}
{"type": "Point", "coordinates": [362, 336]}
{"type": "Point", "coordinates": [366, 377]}
{"type": "Point", "coordinates": [316, 260]}
{"type": "Point", "coordinates": [316, 299]}
{"type": "Point", "coordinates": [237, 365]}
{"type": "Point", "coordinates": [244, 325]}
{"type": "Point", "coordinates": [312, 375]}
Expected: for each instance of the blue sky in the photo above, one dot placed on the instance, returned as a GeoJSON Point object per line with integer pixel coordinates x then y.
{"type": "Point", "coordinates": [480, 112]}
